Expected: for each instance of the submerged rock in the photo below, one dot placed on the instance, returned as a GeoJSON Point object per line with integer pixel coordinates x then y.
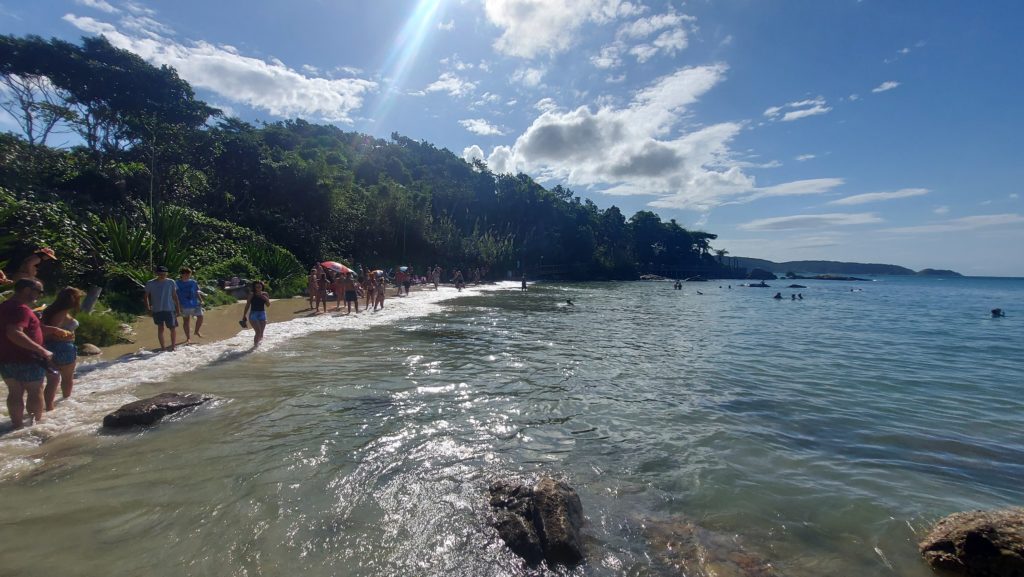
{"type": "Point", "coordinates": [689, 549]}
{"type": "Point", "coordinates": [539, 523]}
{"type": "Point", "coordinates": [978, 544]}
{"type": "Point", "coordinates": [145, 412]}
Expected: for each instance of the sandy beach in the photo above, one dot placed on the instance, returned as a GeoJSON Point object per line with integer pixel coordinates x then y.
{"type": "Point", "coordinates": [219, 323]}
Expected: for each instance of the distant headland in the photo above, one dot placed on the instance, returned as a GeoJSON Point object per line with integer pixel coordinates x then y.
{"type": "Point", "coordinates": [829, 267]}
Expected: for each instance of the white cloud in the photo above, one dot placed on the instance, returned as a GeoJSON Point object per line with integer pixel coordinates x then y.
{"type": "Point", "coordinates": [983, 221]}
{"type": "Point", "coordinates": [799, 109]}
{"type": "Point", "coordinates": [481, 127]}
{"type": "Point", "coordinates": [451, 84]}
{"type": "Point", "coordinates": [310, 69]}
{"type": "Point", "coordinates": [639, 148]}
{"type": "Point", "coordinates": [805, 157]}
{"type": "Point", "coordinates": [888, 85]}
{"type": "Point", "coordinates": [101, 5]}
{"type": "Point", "coordinates": [609, 57]}
{"type": "Point", "coordinates": [529, 76]}
{"type": "Point", "coordinates": [878, 196]}
{"type": "Point", "coordinates": [853, 97]}
{"type": "Point", "coordinates": [546, 105]}
{"type": "Point", "coordinates": [471, 153]}
{"type": "Point", "coordinates": [1014, 195]}
{"type": "Point", "coordinates": [268, 86]}
{"type": "Point", "coordinates": [810, 221]}
{"type": "Point", "coordinates": [644, 27]}
{"type": "Point", "coordinates": [941, 209]}
{"type": "Point", "coordinates": [502, 160]}
{"type": "Point", "coordinates": [446, 26]}
{"type": "Point", "coordinates": [671, 38]}
{"type": "Point", "coordinates": [533, 27]}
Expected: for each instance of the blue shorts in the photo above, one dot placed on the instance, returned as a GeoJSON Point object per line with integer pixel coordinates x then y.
{"type": "Point", "coordinates": [166, 318]}
{"type": "Point", "coordinates": [64, 352]}
{"type": "Point", "coordinates": [23, 372]}
{"type": "Point", "coordinates": [258, 316]}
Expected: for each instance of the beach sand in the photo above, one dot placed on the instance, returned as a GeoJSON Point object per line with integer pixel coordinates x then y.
{"type": "Point", "coordinates": [219, 323]}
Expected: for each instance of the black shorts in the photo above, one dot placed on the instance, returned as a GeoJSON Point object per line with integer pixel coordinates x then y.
{"type": "Point", "coordinates": [351, 297]}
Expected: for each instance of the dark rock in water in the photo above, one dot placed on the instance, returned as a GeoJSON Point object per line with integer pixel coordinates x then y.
{"type": "Point", "coordinates": [89, 350]}
{"type": "Point", "coordinates": [796, 286]}
{"type": "Point", "coordinates": [148, 411]}
{"type": "Point", "coordinates": [978, 544]}
{"type": "Point", "coordinates": [541, 523]}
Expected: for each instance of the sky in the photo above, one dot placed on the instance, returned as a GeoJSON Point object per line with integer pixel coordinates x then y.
{"type": "Point", "coordinates": [854, 130]}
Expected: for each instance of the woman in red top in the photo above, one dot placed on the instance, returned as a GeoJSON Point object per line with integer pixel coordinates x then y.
{"type": "Point", "coordinates": [23, 359]}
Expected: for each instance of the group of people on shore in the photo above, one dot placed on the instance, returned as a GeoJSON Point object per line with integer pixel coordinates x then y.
{"type": "Point", "coordinates": [37, 351]}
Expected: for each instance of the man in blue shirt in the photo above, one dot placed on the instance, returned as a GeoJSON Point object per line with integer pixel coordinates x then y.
{"type": "Point", "coordinates": [191, 300]}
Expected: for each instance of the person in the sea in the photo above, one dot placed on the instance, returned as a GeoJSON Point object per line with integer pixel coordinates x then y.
{"type": "Point", "coordinates": [59, 338]}
{"type": "Point", "coordinates": [407, 282]}
{"type": "Point", "coordinates": [256, 308]}
{"type": "Point", "coordinates": [311, 287]}
{"type": "Point", "coordinates": [998, 313]}
{"type": "Point", "coordinates": [29, 267]}
{"type": "Point", "coordinates": [777, 296]}
{"type": "Point", "coordinates": [347, 286]}
{"type": "Point", "coordinates": [800, 296]}
{"type": "Point", "coordinates": [568, 302]}
{"type": "Point", "coordinates": [161, 298]}
{"type": "Point", "coordinates": [792, 297]}
{"type": "Point", "coordinates": [378, 291]}
{"type": "Point", "coordinates": [23, 358]}
{"type": "Point", "coordinates": [191, 300]}
{"type": "Point", "coordinates": [460, 282]}
{"type": "Point", "coordinates": [368, 287]}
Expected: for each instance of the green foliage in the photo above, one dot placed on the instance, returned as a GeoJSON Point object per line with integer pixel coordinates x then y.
{"type": "Point", "coordinates": [274, 263]}
{"type": "Point", "coordinates": [235, 266]}
{"type": "Point", "coordinates": [214, 297]}
{"type": "Point", "coordinates": [99, 328]}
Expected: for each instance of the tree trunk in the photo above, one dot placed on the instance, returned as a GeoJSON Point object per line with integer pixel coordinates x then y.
{"type": "Point", "coordinates": [91, 297]}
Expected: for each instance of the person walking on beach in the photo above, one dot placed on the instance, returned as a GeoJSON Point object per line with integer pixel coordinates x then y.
{"type": "Point", "coordinates": [369, 286]}
{"type": "Point", "coordinates": [161, 299]}
{"type": "Point", "coordinates": [59, 338]}
{"type": "Point", "coordinates": [524, 282]}
{"type": "Point", "coordinates": [400, 278]}
{"type": "Point", "coordinates": [408, 281]}
{"type": "Point", "coordinates": [191, 300]}
{"type": "Point", "coordinates": [322, 282]}
{"type": "Point", "coordinates": [311, 287]}
{"type": "Point", "coordinates": [23, 359]}
{"type": "Point", "coordinates": [256, 307]}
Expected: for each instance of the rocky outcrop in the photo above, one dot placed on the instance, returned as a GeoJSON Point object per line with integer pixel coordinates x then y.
{"type": "Point", "coordinates": [978, 544]}
{"type": "Point", "coordinates": [148, 411]}
{"type": "Point", "coordinates": [89, 350]}
{"type": "Point", "coordinates": [539, 523]}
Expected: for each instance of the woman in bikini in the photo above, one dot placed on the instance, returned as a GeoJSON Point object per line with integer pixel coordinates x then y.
{"type": "Point", "coordinates": [59, 338]}
{"type": "Point", "coordinates": [368, 288]}
{"type": "Point", "coordinates": [256, 307]}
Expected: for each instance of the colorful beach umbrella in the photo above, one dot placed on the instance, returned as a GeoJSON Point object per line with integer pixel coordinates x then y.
{"type": "Point", "coordinates": [403, 268]}
{"type": "Point", "coordinates": [336, 266]}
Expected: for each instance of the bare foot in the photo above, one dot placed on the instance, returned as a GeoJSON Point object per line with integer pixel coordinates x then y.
{"type": "Point", "coordinates": [199, 335]}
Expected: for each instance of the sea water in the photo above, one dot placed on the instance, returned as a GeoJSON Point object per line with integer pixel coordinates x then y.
{"type": "Point", "coordinates": [820, 436]}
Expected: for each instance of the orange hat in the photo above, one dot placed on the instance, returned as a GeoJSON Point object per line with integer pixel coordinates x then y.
{"type": "Point", "coordinates": [46, 251]}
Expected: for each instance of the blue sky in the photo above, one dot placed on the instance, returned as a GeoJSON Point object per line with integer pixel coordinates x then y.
{"type": "Point", "coordinates": [869, 131]}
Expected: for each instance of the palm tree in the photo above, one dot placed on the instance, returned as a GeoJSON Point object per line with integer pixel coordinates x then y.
{"type": "Point", "coordinates": [721, 252]}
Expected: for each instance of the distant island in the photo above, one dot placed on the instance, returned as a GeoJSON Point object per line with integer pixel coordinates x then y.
{"type": "Point", "coordinates": [830, 267]}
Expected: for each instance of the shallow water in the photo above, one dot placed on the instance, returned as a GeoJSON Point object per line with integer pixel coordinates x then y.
{"type": "Point", "coordinates": [821, 436]}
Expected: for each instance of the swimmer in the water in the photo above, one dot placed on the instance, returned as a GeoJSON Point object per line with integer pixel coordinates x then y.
{"type": "Point", "coordinates": [777, 296]}
{"type": "Point", "coordinates": [996, 313]}
{"type": "Point", "coordinates": [568, 302]}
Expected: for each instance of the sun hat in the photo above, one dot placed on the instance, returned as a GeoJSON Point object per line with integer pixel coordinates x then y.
{"type": "Point", "coordinates": [46, 251]}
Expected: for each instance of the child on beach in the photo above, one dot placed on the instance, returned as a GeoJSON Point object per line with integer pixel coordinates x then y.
{"type": "Point", "coordinates": [256, 307]}
{"type": "Point", "coordinates": [191, 300]}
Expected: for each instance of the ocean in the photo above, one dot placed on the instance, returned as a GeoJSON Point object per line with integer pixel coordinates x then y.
{"type": "Point", "coordinates": [821, 436]}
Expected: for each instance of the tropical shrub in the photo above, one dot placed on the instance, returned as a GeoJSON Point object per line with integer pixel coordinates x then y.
{"type": "Point", "coordinates": [99, 328]}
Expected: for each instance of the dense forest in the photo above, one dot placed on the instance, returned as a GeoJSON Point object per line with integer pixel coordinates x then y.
{"type": "Point", "coordinates": [118, 166]}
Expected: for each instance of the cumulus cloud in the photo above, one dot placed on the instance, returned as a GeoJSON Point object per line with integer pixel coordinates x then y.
{"type": "Point", "coordinates": [888, 85]}
{"type": "Point", "coordinates": [796, 110]}
{"type": "Point", "coordinates": [101, 5]}
{"type": "Point", "coordinates": [481, 127]}
{"type": "Point", "coordinates": [640, 149]}
{"type": "Point", "coordinates": [533, 27]}
{"type": "Point", "coordinates": [810, 221]}
{"type": "Point", "coordinates": [546, 104]}
{"type": "Point", "coordinates": [982, 221]}
{"type": "Point", "coordinates": [269, 86]}
{"type": "Point", "coordinates": [879, 196]}
{"type": "Point", "coordinates": [451, 84]}
{"type": "Point", "coordinates": [471, 153]}
{"type": "Point", "coordinates": [502, 160]}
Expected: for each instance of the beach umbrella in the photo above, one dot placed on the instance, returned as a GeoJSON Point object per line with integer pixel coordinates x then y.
{"type": "Point", "coordinates": [403, 268]}
{"type": "Point", "coordinates": [336, 266]}
{"type": "Point", "coordinates": [377, 272]}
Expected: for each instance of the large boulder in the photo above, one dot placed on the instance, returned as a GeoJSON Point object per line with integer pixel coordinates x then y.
{"type": "Point", "coordinates": [145, 412]}
{"type": "Point", "coordinates": [539, 523]}
{"type": "Point", "coordinates": [978, 544]}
